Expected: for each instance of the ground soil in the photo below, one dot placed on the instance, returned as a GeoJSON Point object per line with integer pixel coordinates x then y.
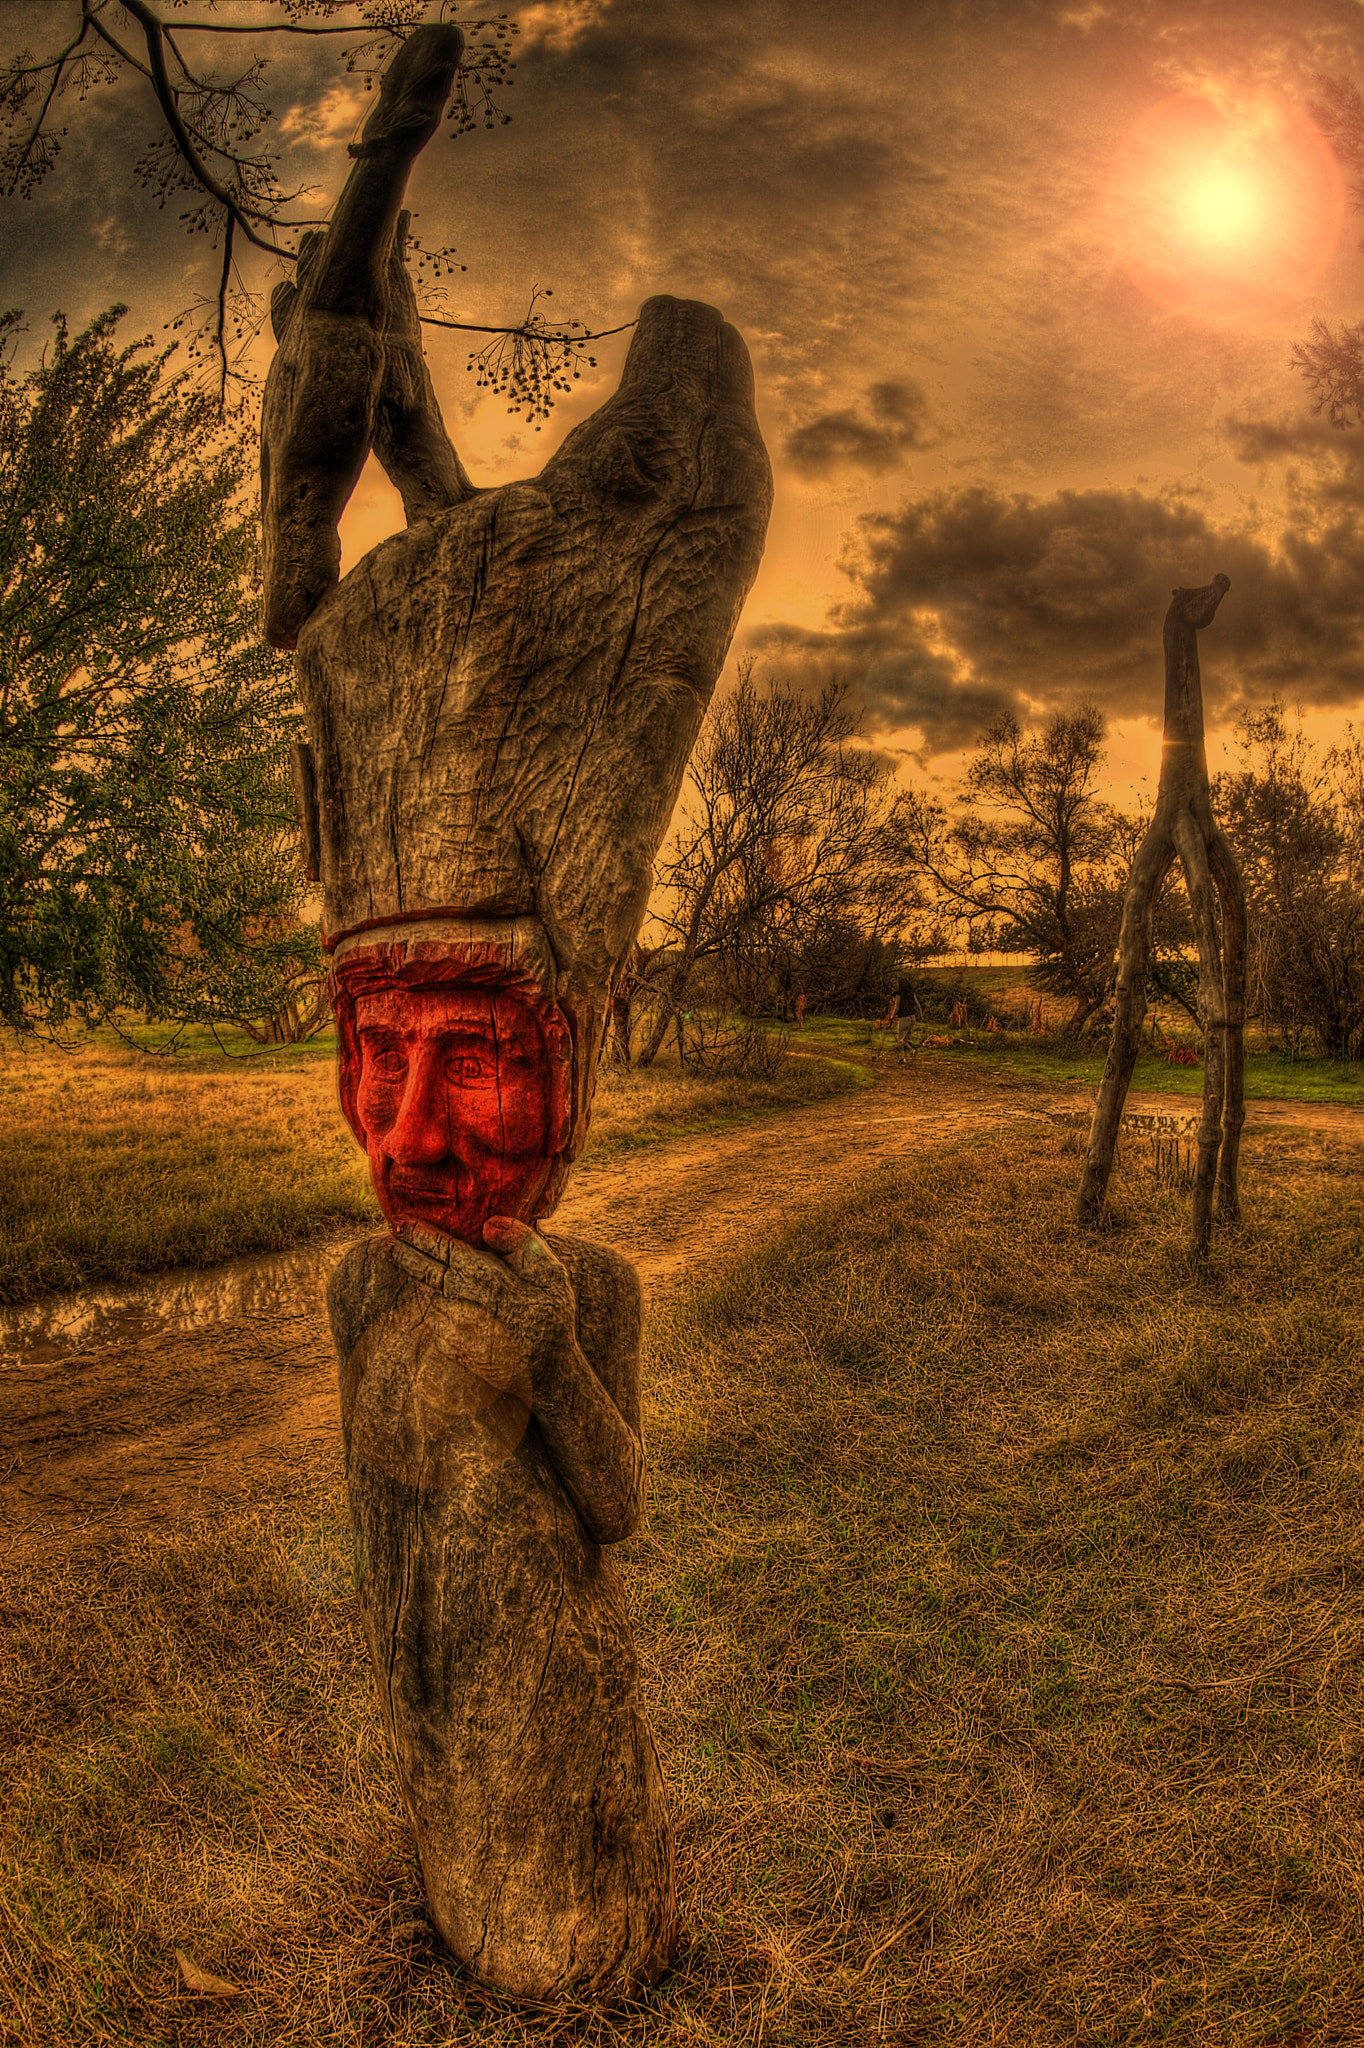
{"type": "Point", "coordinates": [229, 1393]}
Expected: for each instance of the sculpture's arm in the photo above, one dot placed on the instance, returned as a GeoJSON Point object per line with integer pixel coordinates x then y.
{"type": "Point", "coordinates": [348, 373]}
{"type": "Point", "coordinates": [592, 1444]}
{"type": "Point", "coordinates": [410, 440]}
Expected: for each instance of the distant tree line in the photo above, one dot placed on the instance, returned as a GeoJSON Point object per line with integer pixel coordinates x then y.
{"type": "Point", "coordinates": [797, 868]}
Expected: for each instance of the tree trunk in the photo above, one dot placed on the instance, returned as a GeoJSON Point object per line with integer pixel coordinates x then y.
{"type": "Point", "coordinates": [664, 1012]}
{"type": "Point", "coordinates": [620, 1026]}
{"type": "Point", "coordinates": [1182, 828]}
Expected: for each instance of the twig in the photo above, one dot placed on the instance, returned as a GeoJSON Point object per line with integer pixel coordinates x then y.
{"type": "Point", "coordinates": [165, 94]}
{"type": "Point", "coordinates": [905, 1926]}
{"type": "Point", "coordinates": [37, 130]}
{"type": "Point", "coordinates": [527, 333]}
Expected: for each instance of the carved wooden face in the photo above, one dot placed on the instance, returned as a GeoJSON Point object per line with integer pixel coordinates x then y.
{"type": "Point", "coordinates": [461, 1102]}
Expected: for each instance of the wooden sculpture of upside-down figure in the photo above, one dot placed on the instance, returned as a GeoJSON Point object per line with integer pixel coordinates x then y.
{"type": "Point", "coordinates": [500, 704]}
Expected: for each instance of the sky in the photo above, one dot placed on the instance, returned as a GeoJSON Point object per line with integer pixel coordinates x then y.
{"type": "Point", "coordinates": [1020, 282]}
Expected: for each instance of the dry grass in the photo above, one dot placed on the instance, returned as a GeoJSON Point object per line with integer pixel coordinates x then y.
{"type": "Point", "coordinates": [115, 1162]}
{"type": "Point", "coordinates": [1001, 1612]}
{"type": "Point", "coordinates": [643, 1106]}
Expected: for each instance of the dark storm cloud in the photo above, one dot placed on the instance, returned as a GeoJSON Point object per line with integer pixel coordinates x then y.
{"type": "Point", "coordinates": [789, 167]}
{"type": "Point", "coordinates": [969, 602]}
{"type": "Point", "coordinates": [1257, 441]}
{"type": "Point", "coordinates": [875, 437]}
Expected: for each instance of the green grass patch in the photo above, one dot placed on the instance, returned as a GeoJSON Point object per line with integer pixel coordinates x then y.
{"type": "Point", "coordinates": [1270, 1076]}
{"type": "Point", "coordinates": [115, 1162]}
{"type": "Point", "coordinates": [1001, 1611]}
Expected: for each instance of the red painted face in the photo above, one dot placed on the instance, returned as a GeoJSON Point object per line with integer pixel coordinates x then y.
{"type": "Point", "coordinates": [460, 1104]}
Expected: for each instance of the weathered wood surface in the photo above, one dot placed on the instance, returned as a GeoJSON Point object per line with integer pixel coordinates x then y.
{"type": "Point", "coordinates": [523, 677]}
{"type": "Point", "coordinates": [500, 704]}
{"type": "Point", "coordinates": [501, 699]}
{"type": "Point", "coordinates": [492, 1443]}
{"type": "Point", "coordinates": [349, 374]}
{"type": "Point", "coordinates": [1185, 829]}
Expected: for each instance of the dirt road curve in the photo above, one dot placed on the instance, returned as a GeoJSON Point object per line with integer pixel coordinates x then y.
{"type": "Point", "coordinates": [200, 1390]}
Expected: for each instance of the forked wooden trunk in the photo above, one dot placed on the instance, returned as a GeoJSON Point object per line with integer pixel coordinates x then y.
{"type": "Point", "coordinates": [1185, 829]}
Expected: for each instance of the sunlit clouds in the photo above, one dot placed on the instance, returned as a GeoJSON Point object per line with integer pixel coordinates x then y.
{"type": "Point", "coordinates": [1021, 283]}
{"type": "Point", "coordinates": [1224, 203]}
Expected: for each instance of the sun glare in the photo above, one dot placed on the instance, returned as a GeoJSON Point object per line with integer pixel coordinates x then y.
{"type": "Point", "coordinates": [1225, 205]}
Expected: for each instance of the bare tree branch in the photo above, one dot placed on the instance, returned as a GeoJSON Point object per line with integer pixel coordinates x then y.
{"type": "Point", "coordinates": [59, 65]}
{"type": "Point", "coordinates": [166, 96]}
{"type": "Point", "coordinates": [528, 362]}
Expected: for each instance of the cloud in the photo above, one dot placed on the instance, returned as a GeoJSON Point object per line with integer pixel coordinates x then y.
{"type": "Point", "coordinates": [876, 438]}
{"type": "Point", "coordinates": [967, 603]}
{"type": "Point", "coordinates": [1258, 441]}
{"type": "Point", "coordinates": [559, 24]}
{"type": "Point", "coordinates": [322, 122]}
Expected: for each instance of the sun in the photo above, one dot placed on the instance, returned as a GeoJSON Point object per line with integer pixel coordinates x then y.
{"type": "Point", "coordinates": [1225, 205]}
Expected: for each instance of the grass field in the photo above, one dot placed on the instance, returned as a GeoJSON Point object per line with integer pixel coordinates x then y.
{"type": "Point", "coordinates": [1269, 1075]}
{"type": "Point", "coordinates": [1001, 1616]}
{"type": "Point", "coordinates": [116, 1162]}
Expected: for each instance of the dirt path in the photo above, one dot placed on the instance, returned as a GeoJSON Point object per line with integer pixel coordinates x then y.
{"type": "Point", "coordinates": [205, 1390]}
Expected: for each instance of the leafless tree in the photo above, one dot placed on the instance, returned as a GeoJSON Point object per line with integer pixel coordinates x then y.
{"type": "Point", "coordinates": [779, 836]}
{"type": "Point", "coordinates": [215, 152]}
{"type": "Point", "coordinates": [1031, 860]}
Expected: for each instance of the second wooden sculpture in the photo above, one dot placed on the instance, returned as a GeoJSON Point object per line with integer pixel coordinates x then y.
{"type": "Point", "coordinates": [1182, 829]}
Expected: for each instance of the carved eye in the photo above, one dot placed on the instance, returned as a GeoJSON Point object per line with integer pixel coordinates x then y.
{"type": "Point", "coordinates": [387, 1064]}
{"type": "Point", "coordinates": [466, 1070]}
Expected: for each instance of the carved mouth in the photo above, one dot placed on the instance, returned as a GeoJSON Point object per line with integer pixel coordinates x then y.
{"type": "Point", "coordinates": [429, 1191]}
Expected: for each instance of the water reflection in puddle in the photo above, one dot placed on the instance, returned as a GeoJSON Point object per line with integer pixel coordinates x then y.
{"type": "Point", "coordinates": [280, 1285]}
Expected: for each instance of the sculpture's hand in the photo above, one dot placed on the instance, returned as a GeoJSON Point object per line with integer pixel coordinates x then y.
{"type": "Point", "coordinates": [527, 1292]}
{"type": "Point", "coordinates": [343, 379]}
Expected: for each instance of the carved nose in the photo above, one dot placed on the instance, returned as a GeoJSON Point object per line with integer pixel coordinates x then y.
{"type": "Point", "coordinates": [421, 1134]}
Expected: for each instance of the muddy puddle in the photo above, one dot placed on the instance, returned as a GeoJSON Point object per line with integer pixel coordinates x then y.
{"type": "Point", "coordinates": [265, 1287]}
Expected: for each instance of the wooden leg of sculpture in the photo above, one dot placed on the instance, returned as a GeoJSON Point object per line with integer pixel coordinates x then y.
{"type": "Point", "coordinates": [1230, 890]}
{"type": "Point", "coordinates": [1212, 1008]}
{"type": "Point", "coordinates": [1134, 943]}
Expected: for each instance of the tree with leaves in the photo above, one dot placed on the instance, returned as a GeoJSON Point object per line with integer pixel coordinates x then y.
{"type": "Point", "coordinates": [215, 153]}
{"type": "Point", "coordinates": [1027, 862]}
{"type": "Point", "coordinates": [1332, 361]}
{"type": "Point", "coordinates": [778, 841]}
{"type": "Point", "coordinates": [148, 845]}
{"type": "Point", "coordinates": [1295, 818]}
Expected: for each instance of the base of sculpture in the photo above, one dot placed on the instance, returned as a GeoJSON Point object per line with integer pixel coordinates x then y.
{"type": "Point", "coordinates": [501, 1645]}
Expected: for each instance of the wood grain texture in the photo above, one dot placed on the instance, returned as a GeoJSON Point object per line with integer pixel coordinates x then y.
{"type": "Point", "coordinates": [500, 703]}
{"type": "Point", "coordinates": [348, 373]}
{"type": "Point", "coordinates": [497, 1624]}
{"type": "Point", "coordinates": [516, 684]}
